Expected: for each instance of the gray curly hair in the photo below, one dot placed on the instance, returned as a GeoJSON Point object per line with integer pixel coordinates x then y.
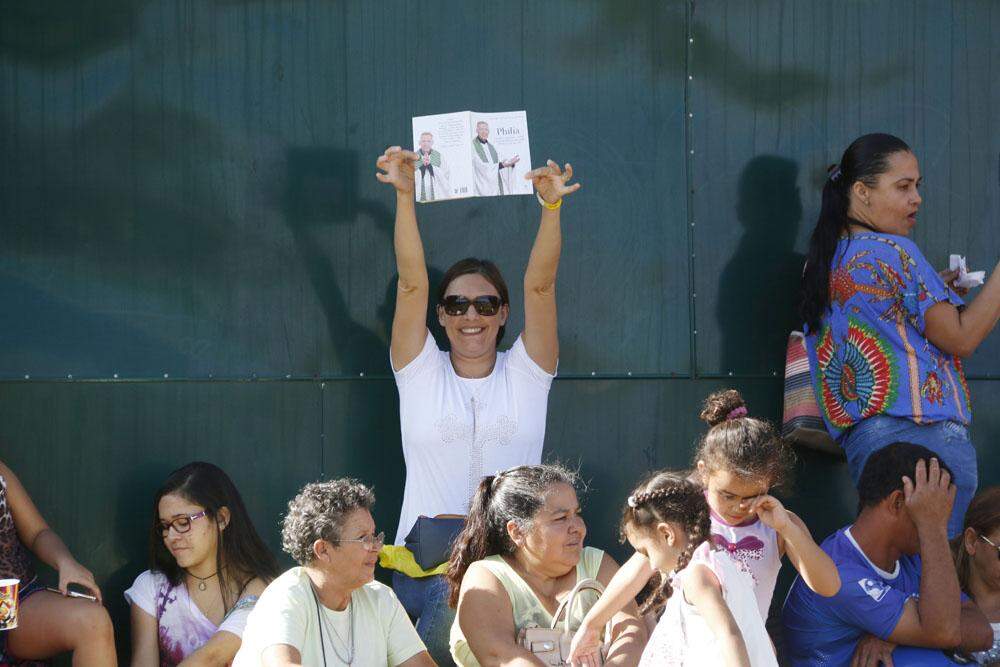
{"type": "Point", "coordinates": [318, 512]}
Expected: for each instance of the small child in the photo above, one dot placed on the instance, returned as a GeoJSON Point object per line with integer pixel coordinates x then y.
{"type": "Point", "coordinates": [711, 616]}
{"type": "Point", "coordinates": [740, 459]}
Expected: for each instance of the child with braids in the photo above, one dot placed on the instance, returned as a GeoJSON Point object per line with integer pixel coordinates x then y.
{"type": "Point", "coordinates": [710, 615]}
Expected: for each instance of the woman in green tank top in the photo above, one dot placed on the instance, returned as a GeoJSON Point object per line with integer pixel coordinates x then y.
{"type": "Point", "coordinates": [519, 556]}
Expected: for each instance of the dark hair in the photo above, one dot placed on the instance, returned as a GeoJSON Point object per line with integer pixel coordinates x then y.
{"type": "Point", "coordinates": [482, 267]}
{"type": "Point", "coordinates": [239, 548]}
{"type": "Point", "coordinates": [749, 448]}
{"type": "Point", "coordinates": [668, 497]}
{"type": "Point", "coordinates": [883, 472]}
{"type": "Point", "coordinates": [318, 511]}
{"type": "Point", "coordinates": [983, 516]}
{"type": "Point", "coordinates": [864, 160]}
{"type": "Point", "coordinates": [513, 495]}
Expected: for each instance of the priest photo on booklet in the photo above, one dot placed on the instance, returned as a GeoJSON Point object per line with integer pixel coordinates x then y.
{"type": "Point", "coordinates": [493, 174]}
{"type": "Point", "coordinates": [432, 171]}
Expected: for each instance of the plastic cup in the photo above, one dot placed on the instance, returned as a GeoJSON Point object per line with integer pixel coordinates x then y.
{"type": "Point", "coordinates": [8, 603]}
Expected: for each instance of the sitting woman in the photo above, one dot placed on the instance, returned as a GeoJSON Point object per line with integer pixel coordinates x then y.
{"type": "Point", "coordinates": [208, 567]}
{"type": "Point", "coordinates": [518, 558]}
{"type": "Point", "coordinates": [47, 623]}
{"type": "Point", "coordinates": [330, 611]}
{"type": "Point", "coordinates": [977, 558]}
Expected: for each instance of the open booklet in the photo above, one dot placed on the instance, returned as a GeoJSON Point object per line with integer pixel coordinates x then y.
{"type": "Point", "coordinates": [471, 154]}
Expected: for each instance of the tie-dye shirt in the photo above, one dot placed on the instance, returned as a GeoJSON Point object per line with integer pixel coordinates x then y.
{"type": "Point", "coordinates": [183, 628]}
{"type": "Point", "coordinates": [870, 356]}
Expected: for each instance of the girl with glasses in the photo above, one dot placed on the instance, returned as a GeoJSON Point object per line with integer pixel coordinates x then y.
{"type": "Point", "coordinates": [47, 623]}
{"type": "Point", "coordinates": [209, 566]}
{"type": "Point", "coordinates": [977, 557]}
{"type": "Point", "coordinates": [471, 410]}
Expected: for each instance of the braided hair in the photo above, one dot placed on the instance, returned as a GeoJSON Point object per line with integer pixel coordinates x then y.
{"type": "Point", "coordinates": [668, 497]}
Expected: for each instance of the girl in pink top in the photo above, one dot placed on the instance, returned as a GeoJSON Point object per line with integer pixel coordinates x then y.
{"type": "Point", "coordinates": [739, 461]}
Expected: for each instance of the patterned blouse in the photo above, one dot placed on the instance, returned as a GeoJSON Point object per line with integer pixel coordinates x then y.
{"type": "Point", "coordinates": [870, 356]}
{"type": "Point", "coordinates": [183, 628]}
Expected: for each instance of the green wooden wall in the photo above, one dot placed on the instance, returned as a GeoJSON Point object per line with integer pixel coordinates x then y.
{"type": "Point", "coordinates": [196, 259]}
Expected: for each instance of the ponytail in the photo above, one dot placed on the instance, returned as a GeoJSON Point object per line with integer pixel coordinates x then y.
{"type": "Point", "coordinates": [864, 160]}
{"type": "Point", "coordinates": [832, 224]}
{"type": "Point", "coordinates": [476, 541]}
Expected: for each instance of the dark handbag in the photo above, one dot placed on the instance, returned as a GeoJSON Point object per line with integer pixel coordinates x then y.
{"type": "Point", "coordinates": [431, 538]}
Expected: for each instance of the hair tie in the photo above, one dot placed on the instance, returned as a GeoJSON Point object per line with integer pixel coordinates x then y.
{"type": "Point", "coordinates": [632, 502]}
{"type": "Point", "coordinates": [835, 173]}
{"type": "Point", "coordinates": [736, 413]}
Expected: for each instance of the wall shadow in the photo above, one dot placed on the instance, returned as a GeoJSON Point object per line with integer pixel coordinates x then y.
{"type": "Point", "coordinates": [758, 288]}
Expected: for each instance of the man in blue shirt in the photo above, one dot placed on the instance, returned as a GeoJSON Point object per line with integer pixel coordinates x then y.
{"type": "Point", "coordinates": [899, 601]}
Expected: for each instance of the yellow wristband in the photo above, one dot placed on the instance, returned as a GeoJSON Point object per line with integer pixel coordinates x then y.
{"type": "Point", "coordinates": [551, 207]}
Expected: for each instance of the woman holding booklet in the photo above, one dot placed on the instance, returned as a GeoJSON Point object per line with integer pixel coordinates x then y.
{"type": "Point", "coordinates": [466, 412]}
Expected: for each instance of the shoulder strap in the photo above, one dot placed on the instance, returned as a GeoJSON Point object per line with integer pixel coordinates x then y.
{"type": "Point", "coordinates": [566, 606]}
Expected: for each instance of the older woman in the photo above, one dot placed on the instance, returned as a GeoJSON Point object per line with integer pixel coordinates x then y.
{"type": "Point", "coordinates": [329, 611]}
{"type": "Point", "coordinates": [519, 556]}
{"type": "Point", "coordinates": [471, 409]}
{"type": "Point", "coordinates": [885, 333]}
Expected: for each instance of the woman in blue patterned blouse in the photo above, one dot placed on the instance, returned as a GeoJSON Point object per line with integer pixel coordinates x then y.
{"type": "Point", "coordinates": [886, 334]}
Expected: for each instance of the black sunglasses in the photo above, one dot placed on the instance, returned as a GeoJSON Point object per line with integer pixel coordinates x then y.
{"type": "Point", "coordinates": [458, 305]}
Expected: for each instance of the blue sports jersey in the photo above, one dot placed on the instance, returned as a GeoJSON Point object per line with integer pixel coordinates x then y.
{"type": "Point", "coordinates": [825, 631]}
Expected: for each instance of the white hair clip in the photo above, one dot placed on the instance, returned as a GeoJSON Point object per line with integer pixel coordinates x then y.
{"type": "Point", "coordinates": [631, 502]}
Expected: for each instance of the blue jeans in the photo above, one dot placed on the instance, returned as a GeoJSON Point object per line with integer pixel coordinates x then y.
{"type": "Point", "coordinates": [426, 602]}
{"type": "Point", "coordinates": [949, 440]}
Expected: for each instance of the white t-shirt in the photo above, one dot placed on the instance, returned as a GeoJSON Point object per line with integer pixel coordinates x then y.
{"type": "Point", "coordinates": [456, 430]}
{"type": "Point", "coordinates": [286, 613]}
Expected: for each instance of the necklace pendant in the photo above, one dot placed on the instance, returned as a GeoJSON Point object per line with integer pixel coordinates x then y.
{"type": "Point", "coordinates": [202, 586]}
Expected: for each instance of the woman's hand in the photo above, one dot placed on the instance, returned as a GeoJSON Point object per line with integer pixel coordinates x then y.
{"type": "Point", "coordinates": [71, 572]}
{"type": "Point", "coordinates": [550, 181]}
{"type": "Point", "coordinates": [585, 650]}
{"type": "Point", "coordinates": [398, 167]}
{"type": "Point", "coordinates": [770, 510]}
{"type": "Point", "coordinates": [949, 277]}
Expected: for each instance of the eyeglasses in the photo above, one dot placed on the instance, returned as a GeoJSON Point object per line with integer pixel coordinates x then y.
{"type": "Point", "coordinates": [181, 524]}
{"type": "Point", "coordinates": [371, 542]}
{"type": "Point", "coordinates": [485, 305]}
{"type": "Point", "coordinates": [990, 542]}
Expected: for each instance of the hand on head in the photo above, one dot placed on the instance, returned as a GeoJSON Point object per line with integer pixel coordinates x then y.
{"type": "Point", "coordinates": [929, 494]}
{"type": "Point", "coordinates": [550, 181]}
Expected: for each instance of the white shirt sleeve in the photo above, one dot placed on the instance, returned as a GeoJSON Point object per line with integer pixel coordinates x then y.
{"type": "Point", "coordinates": [402, 639]}
{"type": "Point", "coordinates": [518, 359]}
{"type": "Point", "coordinates": [429, 360]}
{"type": "Point", "coordinates": [143, 591]}
{"type": "Point", "coordinates": [280, 616]}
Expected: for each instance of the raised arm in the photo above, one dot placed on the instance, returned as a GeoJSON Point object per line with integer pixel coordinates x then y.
{"type": "Point", "coordinates": [409, 327]}
{"type": "Point", "coordinates": [35, 534]}
{"type": "Point", "coordinates": [935, 619]}
{"type": "Point", "coordinates": [960, 332]}
{"type": "Point", "coordinates": [816, 567]}
{"type": "Point", "coordinates": [540, 336]}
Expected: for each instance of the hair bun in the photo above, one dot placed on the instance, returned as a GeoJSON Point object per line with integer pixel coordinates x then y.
{"type": "Point", "coordinates": [719, 405]}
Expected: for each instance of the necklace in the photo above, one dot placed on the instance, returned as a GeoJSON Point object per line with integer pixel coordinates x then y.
{"type": "Point", "coordinates": [201, 580]}
{"type": "Point", "coordinates": [324, 622]}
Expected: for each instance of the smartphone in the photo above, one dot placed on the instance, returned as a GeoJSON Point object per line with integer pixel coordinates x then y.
{"type": "Point", "coordinates": [74, 594]}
